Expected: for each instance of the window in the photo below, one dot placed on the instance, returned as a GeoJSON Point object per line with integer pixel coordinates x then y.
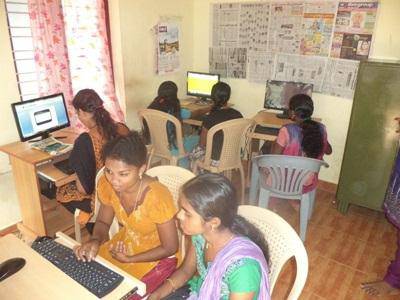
{"type": "Point", "coordinates": [22, 47]}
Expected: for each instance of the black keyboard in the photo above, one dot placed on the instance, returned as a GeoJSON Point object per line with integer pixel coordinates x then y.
{"type": "Point", "coordinates": [64, 167]}
{"type": "Point", "coordinates": [95, 277]}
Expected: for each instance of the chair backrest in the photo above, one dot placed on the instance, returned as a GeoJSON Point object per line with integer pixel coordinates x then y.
{"type": "Point", "coordinates": [157, 123]}
{"type": "Point", "coordinates": [234, 131]}
{"type": "Point", "coordinates": [172, 177]}
{"type": "Point", "coordinates": [286, 175]}
{"type": "Point", "coordinates": [283, 243]}
{"type": "Point", "coordinates": [114, 228]}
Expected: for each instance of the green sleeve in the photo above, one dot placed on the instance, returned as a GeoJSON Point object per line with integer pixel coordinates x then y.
{"type": "Point", "coordinates": [245, 278]}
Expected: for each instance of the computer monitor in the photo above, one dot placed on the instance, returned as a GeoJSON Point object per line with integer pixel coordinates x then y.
{"type": "Point", "coordinates": [38, 117]}
{"type": "Point", "coordinates": [200, 84]}
{"type": "Point", "coordinates": [278, 94]}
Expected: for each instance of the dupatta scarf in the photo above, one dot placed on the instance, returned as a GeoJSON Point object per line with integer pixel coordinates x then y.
{"type": "Point", "coordinates": [236, 249]}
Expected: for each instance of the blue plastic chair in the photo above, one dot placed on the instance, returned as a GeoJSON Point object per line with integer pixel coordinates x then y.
{"type": "Point", "coordinates": [284, 176]}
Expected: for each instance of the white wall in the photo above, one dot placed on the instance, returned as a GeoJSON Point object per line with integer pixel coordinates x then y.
{"type": "Point", "coordinates": [133, 45]}
{"type": "Point", "coordinates": [8, 90]}
{"type": "Point", "coordinates": [335, 112]}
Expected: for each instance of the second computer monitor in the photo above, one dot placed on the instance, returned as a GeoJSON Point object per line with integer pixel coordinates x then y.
{"type": "Point", "coordinates": [200, 84]}
{"type": "Point", "coordinates": [39, 117]}
{"type": "Point", "coordinates": [278, 93]}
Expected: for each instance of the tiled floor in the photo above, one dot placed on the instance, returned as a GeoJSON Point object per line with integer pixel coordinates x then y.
{"type": "Point", "coordinates": [343, 250]}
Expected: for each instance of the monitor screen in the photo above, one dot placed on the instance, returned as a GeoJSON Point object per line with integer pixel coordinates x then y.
{"type": "Point", "coordinates": [278, 93]}
{"type": "Point", "coordinates": [200, 84]}
{"type": "Point", "coordinates": [39, 117]}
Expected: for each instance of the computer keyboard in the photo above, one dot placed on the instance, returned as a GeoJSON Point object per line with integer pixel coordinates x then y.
{"type": "Point", "coordinates": [92, 275]}
{"type": "Point", "coordinates": [64, 167]}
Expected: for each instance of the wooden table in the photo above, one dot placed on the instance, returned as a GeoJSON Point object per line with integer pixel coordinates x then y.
{"type": "Point", "coordinates": [26, 163]}
{"type": "Point", "coordinates": [40, 279]}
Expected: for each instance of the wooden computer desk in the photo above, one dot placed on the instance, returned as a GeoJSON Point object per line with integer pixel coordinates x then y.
{"type": "Point", "coordinates": [197, 110]}
{"type": "Point", "coordinates": [40, 279]}
{"type": "Point", "coordinates": [25, 164]}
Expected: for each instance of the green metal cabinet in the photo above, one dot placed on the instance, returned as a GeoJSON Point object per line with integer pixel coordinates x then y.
{"type": "Point", "coordinates": [372, 141]}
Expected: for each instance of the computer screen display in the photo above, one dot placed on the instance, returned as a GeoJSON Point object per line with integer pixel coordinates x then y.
{"type": "Point", "coordinates": [278, 93]}
{"type": "Point", "coordinates": [200, 84]}
{"type": "Point", "coordinates": [39, 117]}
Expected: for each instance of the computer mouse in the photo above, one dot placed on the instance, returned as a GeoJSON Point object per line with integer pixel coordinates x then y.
{"type": "Point", "coordinates": [11, 266]}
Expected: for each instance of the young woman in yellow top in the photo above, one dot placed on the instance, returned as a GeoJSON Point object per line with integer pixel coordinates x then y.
{"type": "Point", "coordinates": [145, 211]}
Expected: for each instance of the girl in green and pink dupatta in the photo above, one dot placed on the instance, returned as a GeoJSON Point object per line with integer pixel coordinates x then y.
{"type": "Point", "coordinates": [228, 256]}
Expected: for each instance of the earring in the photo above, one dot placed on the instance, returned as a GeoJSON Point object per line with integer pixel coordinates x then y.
{"type": "Point", "coordinates": [141, 176]}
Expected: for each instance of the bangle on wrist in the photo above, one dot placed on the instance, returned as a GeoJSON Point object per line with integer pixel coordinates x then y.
{"type": "Point", "coordinates": [172, 284]}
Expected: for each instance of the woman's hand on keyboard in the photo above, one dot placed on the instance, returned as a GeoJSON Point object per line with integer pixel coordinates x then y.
{"type": "Point", "coordinates": [87, 251]}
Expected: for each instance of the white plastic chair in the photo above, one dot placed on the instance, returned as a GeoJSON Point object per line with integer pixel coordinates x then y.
{"type": "Point", "coordinates": [173, 178]}
{"type": "Point", "coordinates": [157, 123]}
{"type": "Point", "coordinates": [286, 178]}
{"type": "Point", "coordinates": [283, 243]}
{"type": "Point", "coordinates": [114, 228]}
{"type": "Point", "coordinates": [234, 132]}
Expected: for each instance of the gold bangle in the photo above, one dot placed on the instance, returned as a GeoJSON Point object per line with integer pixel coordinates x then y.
{"type": "Point", "coordinates": [172, 284]}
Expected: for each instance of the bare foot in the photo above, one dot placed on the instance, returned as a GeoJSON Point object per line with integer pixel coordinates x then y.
{"type": "Point", "coordinates": [379, 288]}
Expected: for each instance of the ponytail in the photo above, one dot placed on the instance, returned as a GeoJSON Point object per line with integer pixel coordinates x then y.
{"type": "Point", "coordinates": [105, 123]}
{"type": "Point", "coordinates": [220, 94]}
{"type": "Point", "coordinates": [242, 227]}
{"type": "Point", "coordinates": [312, 141]}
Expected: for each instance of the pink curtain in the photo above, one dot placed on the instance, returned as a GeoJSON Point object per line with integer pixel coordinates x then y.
{"type": "Point", "coordinates": [50, 50]}
{"type": "Point", "coordinates": [88, 50]}
{"type": "Point", "coordinates": [72, 51]}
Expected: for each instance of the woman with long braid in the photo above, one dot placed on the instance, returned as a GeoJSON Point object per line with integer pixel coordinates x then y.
{"type": "Point", "coordinates": [85, 158]}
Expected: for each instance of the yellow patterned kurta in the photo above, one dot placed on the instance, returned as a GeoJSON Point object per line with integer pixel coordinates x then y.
{"type": "Point", "coordinates": [138, 231]}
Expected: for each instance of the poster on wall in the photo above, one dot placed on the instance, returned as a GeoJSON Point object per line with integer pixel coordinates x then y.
{"type": "Point", "coordinates": [355, 22]}
{"type": "Point", "coordinates": [167, 48]}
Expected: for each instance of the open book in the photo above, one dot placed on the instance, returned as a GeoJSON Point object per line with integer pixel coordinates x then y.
{"type": "Point", "coordinates": [52, 146]}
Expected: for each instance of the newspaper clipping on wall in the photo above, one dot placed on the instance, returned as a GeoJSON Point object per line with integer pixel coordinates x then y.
{"type": "Point", "coordinates": [340, 78]}
{"type": "Point", "coordinates": [261, 66]}
{"type": "Point", "coordinates": [297, 41]}
{"type": "Point", "coordinates": [285, 27]}
{"type": "Point", "coordinates": [228, 62]}
{"type": "Point", "coordinates": [317, 24]}
{"type": "Point", "coordinates": [355, 24]}
{"type": "Point", "coordinates": [253, 29]}
{"type": "Point", "coordinates": [297, 68]}
{"type": "Point", "coordinates": [167, 48]}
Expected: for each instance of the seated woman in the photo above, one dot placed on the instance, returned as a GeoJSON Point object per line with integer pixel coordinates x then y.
{"type": "Point", "coordinates": [220, 112]}
{"type": "Point", "coordinates": [145, 211]}
{"type": "Point", "coordinates": [167, 101]}
{"type": "Point", "coordinates": [228, 256]}
{"type": "Point", "coordinates": [304, 137]}
{"type": "Point", "coordinates": [85, 157]}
